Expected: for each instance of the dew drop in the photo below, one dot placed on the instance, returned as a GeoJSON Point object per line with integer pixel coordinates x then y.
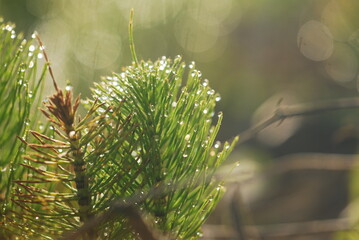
{"type": "Point", "coordinates": [210, 92]}
{"type": "Point", "coordinates": [72, 134]}
{"type": "Point", "coordinates": [68, 88]}
{"type": "Point", "coordinates": [32, 48]}
{"type": "Point", "coordinates": [185, 155]}
{"type": "Point", "coordinates": [218, 98]}
{"type": "Point", "coordinates": [174, 104]}
{"type": "Point", "coordinates": [134, 154]}
{"type": "Point", "coordinates": [205, 111]}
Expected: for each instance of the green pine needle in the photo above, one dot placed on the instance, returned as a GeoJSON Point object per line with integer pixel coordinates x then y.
{"type": "Point", "coordinates": [20, 85]}
{"type": "Point", "coordinates": [175, 139]}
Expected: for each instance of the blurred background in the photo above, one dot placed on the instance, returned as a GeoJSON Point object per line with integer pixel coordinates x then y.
{"type": "Point", "coordinates": [295, 180]}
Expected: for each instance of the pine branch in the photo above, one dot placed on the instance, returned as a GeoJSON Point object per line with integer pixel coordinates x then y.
{"type": "Point", "coordinates": [144, 129]}
{"type": "Point", "coordinates": [175, 139]}
{"type": "Point", "coordinates": [67, 164]}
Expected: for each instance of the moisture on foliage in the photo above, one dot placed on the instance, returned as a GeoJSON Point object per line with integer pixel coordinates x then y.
{"type": "Point", "coordinates": [20, 82]}
{"type": "Point", "coordinates": [173, 109]}
{"type": "Point", "coordinates": [147, 140]}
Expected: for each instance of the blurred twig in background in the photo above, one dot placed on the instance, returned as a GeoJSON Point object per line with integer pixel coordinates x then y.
{"type": "Point", "coordinates": [283, 112]}
{"type": "Point", "coordinates": [280, 231]}
{"type": "Point", "coordinates": [303, 161]}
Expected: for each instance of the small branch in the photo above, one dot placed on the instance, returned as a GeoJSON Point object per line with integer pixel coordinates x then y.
{"type": "Point", "coordinates": [132, 44]}
{"type": "Point", "coordinates": [42, 47]}
{"type": "Point", "coordinates": [127, 208]}
{"type": "Point", "coordinates": [241, 216]}
{"type": "Point", "coordinates": [135, 220]}
{"type": "Point", "coordinates": [283, 112]}
{"type": "Point", "coordinates": [298, 162]}
{"type": "Point", "coordinates": [281, 231]}
{"type": "Point", "coordinates": [315, 161]}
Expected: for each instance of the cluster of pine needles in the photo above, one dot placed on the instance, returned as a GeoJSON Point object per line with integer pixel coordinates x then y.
{"type": "Point", "coordinates": [147, 130]}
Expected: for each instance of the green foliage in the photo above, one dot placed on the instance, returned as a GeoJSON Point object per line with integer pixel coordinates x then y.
{"type": "Point", "coordinates": [71, 175]}
{"type": "Point", "coordinates": [174, 138]}
{"type": "Point", "coordinates": [147, 129]}
{"type": "Point", "coordinates": [19, 86]}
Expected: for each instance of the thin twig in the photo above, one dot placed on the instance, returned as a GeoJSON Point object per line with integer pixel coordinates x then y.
{"type": "Point", "coordinates": [241, 216]}
{"type": "Point", "coordinates": [42, 47]}
{"type": "Point", "coordinates": [297, 162]}
{"type": "Point", "coordinates": [283, 230]}
{"type": "Point", "coordinates": [127, 207]}
{"type": "Point", "coordinates": [237, 216]}
{"type": "Point", "coordinates": [284, 112]}
{"type": "Point", "coordinates": [136, 221]}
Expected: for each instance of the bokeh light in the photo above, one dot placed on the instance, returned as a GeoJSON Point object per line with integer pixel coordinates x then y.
{"type": "Point", "coordinates": [315, 41]}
